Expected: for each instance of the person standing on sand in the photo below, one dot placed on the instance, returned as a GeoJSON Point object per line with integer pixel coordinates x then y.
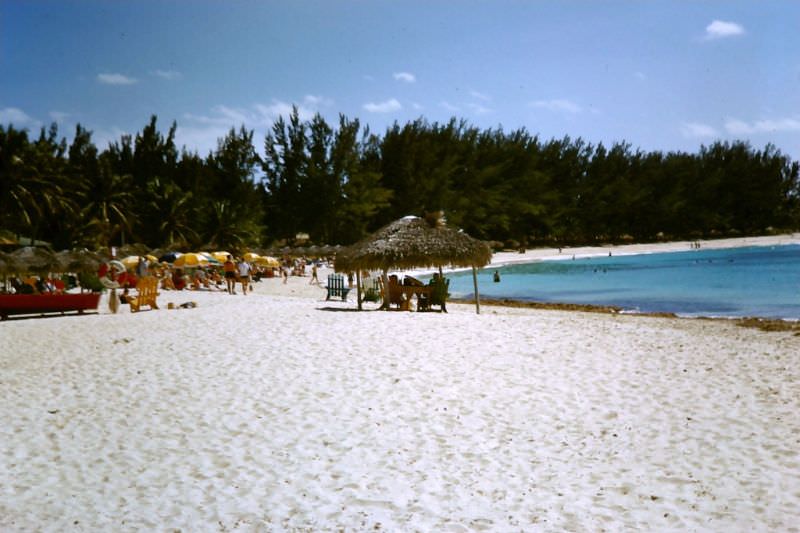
{"type": "Point", "coordinates": [230, 274]}
{"type": "Point", "coordinates": [244, 275]}
{"type": "Point", "coordinates": [142, 267]}
{"type": "Point", "coordinates": [314, 278]}
{"type": "Point", "coordinates": [285, 275]}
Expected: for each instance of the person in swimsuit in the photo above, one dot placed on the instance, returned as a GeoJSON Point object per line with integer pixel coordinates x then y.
{"type": "Point", "coordinates": [230, 274]}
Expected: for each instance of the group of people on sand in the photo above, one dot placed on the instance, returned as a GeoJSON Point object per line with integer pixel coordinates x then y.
{"type": "Point", "coordinates": [33, 285]}
{"type": "Point", "coordinates": [233, 271]}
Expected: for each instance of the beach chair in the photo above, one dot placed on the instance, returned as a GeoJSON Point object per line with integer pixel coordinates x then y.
{"type": "Point", "coordinates": [394, 295]}
{"type": "Point", "coordinates": [372, 290]}
{"type": "Point", "coordinates": [439, 293]}
{"type": "Point", "coordinates": [147, 291]}
{"type": "Point", "coordinates": [336, 287]}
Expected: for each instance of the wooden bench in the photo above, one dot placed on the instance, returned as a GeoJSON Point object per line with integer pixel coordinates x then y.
{"type": "Point", "coordinates": [147, 291]}
{"type": "Point", "coordinates": [336, 287]}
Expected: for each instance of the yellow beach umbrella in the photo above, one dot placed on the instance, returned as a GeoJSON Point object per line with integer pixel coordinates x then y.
{"type": "Point", "coordinates": [251, 257]}
{"type": "Point", "coordinates": [213, 261]}
{"type": "Point", "coordinates": [221, 256]}
{"type": "Point", "coordinates": [191, 260]}
{"type": "Point", "coordinates": [268, 261]}
{"type": "Point", "coordinates": [130, 262]}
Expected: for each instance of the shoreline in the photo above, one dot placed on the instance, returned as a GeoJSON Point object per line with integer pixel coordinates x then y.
{"type": "Point", "coordinates": [537, 255]}
{"type": "Point", "coordinates": [764, 324]}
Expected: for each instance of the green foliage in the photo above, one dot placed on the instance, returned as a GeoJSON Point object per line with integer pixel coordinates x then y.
{"type": "Point", "coordinates": [339, 183]}
{"type": "Point", "coordinates": [90, 281]}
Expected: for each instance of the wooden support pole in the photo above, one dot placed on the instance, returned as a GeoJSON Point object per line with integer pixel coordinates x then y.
{"type": "Point", "coordinates": [477, 296]}
{"type": "Point", "coordinates": [358, 288]}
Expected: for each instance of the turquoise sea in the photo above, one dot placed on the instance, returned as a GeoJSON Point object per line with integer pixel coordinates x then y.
{"type": "Point", "coordinates": [755, 281]}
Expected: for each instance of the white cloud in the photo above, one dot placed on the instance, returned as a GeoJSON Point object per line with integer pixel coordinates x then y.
{"type": "Point", "coordinates": [103, 137]}
{"type": "Point", "coordinates": [278, 108]}
{"type": "Point", "coordinates": [416, 106]}
{"type": "Point", "coordinates": [202, 139]}
{"type": "Point", "coordinates": [740, 127]}
{"type": "Point", "coordinates": [449, 107]}
{"type": "Point", "coordinates": [168, 74]}
{"type": "Point", "coordinates": [16, 116]}
{"type": "Point", "coordinates": [383, 107]}
{"type": "Point", "coordinates": [558, 105]}
{"type": "Point", "coordinates": [694, 130]}
{"type": "Point", "coordinates": [480, 96]}
{"type": "Point", "coordinates": [404, 76]}
{"type": "Point", "coordinates": [719, 29]}
{"type": "Point", "coordinates": [479, 109]}
{"type": "Point", "coordinates": [315, 102]}
{"type": "Point", "coordinates": [269, 113]}
{"type": "Point", "coordinates": [261, 113]}
{"type": "Point", "coordinates": [115, 79]}
{"type": "Point", "coordinates": [59, 116]}
{"type": "Point", "coordinates": [200, 132]}
{"type": "Point", "coordinates": [232, 115]}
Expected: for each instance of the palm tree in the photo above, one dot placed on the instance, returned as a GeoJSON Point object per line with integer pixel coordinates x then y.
{"type": "Point", "coordinates": [174, 208]}
{"type": "Point", "coordinates": [31, 191]}
{"type": "Point", "coordinates": [228, 228]}
{"type": "Point", "coordinates": [107, 209]}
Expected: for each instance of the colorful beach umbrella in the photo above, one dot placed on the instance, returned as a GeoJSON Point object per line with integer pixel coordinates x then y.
{"type": "Point", "coordinates": [212, 261]}
{"type": "Point", "coordinates": [169, 257]}
{"type": "Point", "coordinates": [267, 261]}
{"type": "Point", "coordinates": [130, 262]}
{"type": "Point", "coordinates": [191, 260]}
{"type": "Point", "coordinates": [221, 256]}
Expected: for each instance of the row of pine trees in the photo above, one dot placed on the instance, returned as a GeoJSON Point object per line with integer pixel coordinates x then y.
{"type": "Point", "coordinates": [339, 182]}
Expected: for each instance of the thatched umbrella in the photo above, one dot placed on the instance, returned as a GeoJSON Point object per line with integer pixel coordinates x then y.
{"type": "Point", "coordinates": [7, 263]}
{"type": "Point", "coordinates": [135, 248]}
{"type": "Point", "coordinates": [7, 266]}
{"type": "Point", "coordinates": [413, 242]}
{"type": "Point", "coordinates": [36, 259]}
{"type": "Point", "coordinates": [79, 260]}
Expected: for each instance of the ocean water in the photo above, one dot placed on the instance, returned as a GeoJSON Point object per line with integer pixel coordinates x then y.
{"type": "Point", "coordinates": [737, 282]}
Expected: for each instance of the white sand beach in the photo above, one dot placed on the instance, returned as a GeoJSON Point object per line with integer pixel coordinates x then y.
{"type": "Point", "coordinates": [279, 411]}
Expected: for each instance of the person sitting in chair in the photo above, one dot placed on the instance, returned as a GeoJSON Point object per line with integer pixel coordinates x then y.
{"type": "Point", "coordinates": [439, 291]}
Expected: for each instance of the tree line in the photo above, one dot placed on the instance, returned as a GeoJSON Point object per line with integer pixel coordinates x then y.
{"type": "Point", "coordinates": [339, 182]}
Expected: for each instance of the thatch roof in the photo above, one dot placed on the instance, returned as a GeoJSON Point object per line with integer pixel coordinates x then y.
{"type": "Point", "coordinates": [8, 264]}
{"type": "Point", "coordinates": [135, 248]}
{"type": "Point", "coordinates": [36, 259]}
{"type": "Point", "coordinates": [413, 242]}
{"type": "Point", "coordinates": [79, 260]}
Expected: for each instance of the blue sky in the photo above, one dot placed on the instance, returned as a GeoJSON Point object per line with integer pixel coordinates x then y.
{"type": "Point", "coordinates": [661, 75]}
